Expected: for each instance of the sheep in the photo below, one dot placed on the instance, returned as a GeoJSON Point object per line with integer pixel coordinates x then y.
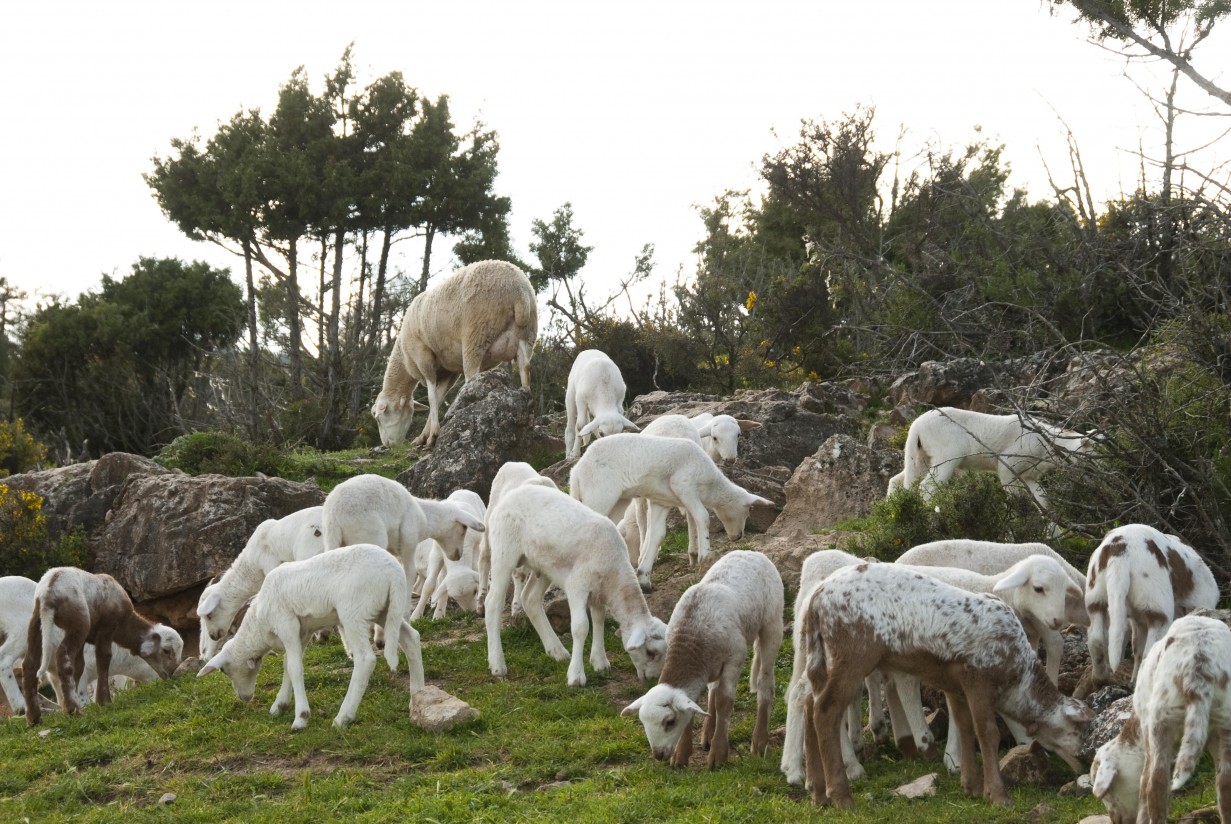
{"type": "Point", "coordinates": [593, 401]}
{"type": "Point", "coordinates": [1182, 688]}
{"type": "Point", "coordinates": [484, 315]}
{"type": "Point", "coordinates": [720, 435]}
{"type": "Point", "coordinates": [16, 607]}
{"type": "Point", "coordinates": [372, 509]}
{"type": "Point", "coordinates": [510, 474]}
{"type": "Point", "coordinates": [351, 588]}
{"type": "Point", "coordinates": [969, 645]}
{"type": "Point", "coordinates": [275, 541]}
{"type": "Point", "coordinates": [737, 604]}
{"type": "Point", "coordinates": [1018, 449]}
{"type": "Point", "coordinates": [668, 471]}
{"type": "Point", "coordinates": [1145, 579]}
{"type": "Point", "coordinates": [90, 608]}
{"type": "Point", "coordinates": [443, 578]}
{"type": "Point", "coordinates": [565, 543]}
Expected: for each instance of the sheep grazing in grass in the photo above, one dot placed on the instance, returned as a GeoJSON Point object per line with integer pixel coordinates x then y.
{"type": "Point", "coordinates": [443, 578]}
{"type": "Point", "coordinates": [720, 435]}
{"type": "Point", "coordinates": [484, 315]}
{"type": "Point", "coordinates": [274, 541]}
{"type": "Point", "coordinates": [89, 608]}
{"type": "Point", "coordinates": [1183, 690]}
{"type": "Point", "coordinates": [1141, 578]}
{"type": "Point", "coordinates": [593, 401]}
{"type": "Point", "coordinates": [563, 543]}
{"type": "Point", "coordinates": [971, 646]}
{"type": "Point", "coordinates": [1019, 450]}
{"type": "Point", "coordinates": [510, 475]}
{"type": "Point", "coordinates": [667, 471]}
{"type": "Point", "coordinates": [350, 588]}
{"type": "Point", "coordinates": [737, 604]}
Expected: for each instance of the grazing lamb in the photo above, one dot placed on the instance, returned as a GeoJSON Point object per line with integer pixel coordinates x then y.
{"type": "Point", "coordinates": [1145, 579]}
{"type": "Point", "coordinates": [564, 543]}
{"type": "Point", "coordinates": [737, 604]}
{"type": "Point", "coordinates": [443, 578]}
{"type": "Point", "coordinates": [93, 609]}
{"type": "Point", "coordinates": [667, 471]}
{"type": "Point", "coordinates": [593, 401]}
{"type": "Point", "coordinates": [274, 541]}
{"type": "Point", "coordinates": [510, 474]}
{"type": "Point", "coordinates": [971, 646]}
{"type": "Point", "coordinates": [1182, 691]}
{"type": "Point", "coordinates": [350, 588]}
{"type": "Point", "coordinates": [484, 315]}
{"type": "Point", "coordinates": [1019, 450]}
{"type": "Point", "coordinates": [371, 509]}
{"type": "Point", "coordinates": [720, 435]}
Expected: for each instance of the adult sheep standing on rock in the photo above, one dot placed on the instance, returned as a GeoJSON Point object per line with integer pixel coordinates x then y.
{"type": "Point", "coordinates": [483, 315]}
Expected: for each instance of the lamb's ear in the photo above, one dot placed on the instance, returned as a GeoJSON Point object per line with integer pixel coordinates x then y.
{"type": "Point", "coordinates": [632, 708]}
{"type": "Point", "coordinates": [629, 426]}
{"type": "Point", "coordinates": [212, 665]}
{"type": "Point", "coordinates": [148, 646]}
{"type": "Point", "coordinates": [468, 520]}
{"type": "Point", "coordinates": [416, 406]}
{"type": "Point", "coordinates": [1102, 778]}
{"type": "Point", "coordinates": [757, 500]}
{"type": "Point", "coordinates": [588, 430]}
{"type": "Point", "coordinates": [747, 426]}
{"type": "Point", "coordinates": [635, 640]}
{"type": "Point", "coordinates": [681, 702]}
{"type": "Point", "coordinates": [209, 604]}
{"type": "Point", "coordinates": [706, 430]}
{"type": "Point", "coordinates": [1075, 710]}
{"type": "Point", "coordinates": [1018, 579]}
{"type": "Point", "coordinates": [379, 408]}
{"type": "Point", "coordinates": [254, 663]}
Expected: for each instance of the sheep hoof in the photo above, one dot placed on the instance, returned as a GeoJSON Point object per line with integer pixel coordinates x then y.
{"type": "Point", "coordinates": [560, 654]}
{"type": "Point", "coordinates": [277, 708]}
{"type": "Point", "coordinates": [341, 723]}
{"type": "Point", "coordinates": [646, 587]}
{"type": "Point", "coordinates": [500, 672]}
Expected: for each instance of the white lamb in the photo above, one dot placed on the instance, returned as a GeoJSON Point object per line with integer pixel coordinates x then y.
{"type": "Point", "coordinates": [372, 509]}
{"type": "Point", "coordinates": [564, 543]}
{"type": "Point", "coordinates": [484, 315]}
{"type": "Point", "coordinates": [275, 541]}
{"type": "Point", "coordinates": [667, 471]}
{"type": "Point", "coordinates": [510, 474]}
{"type": "Point", "coordinates": [1145, 579]}
{"type": "Point", "coordinates": [969, 645]}
{"type": "Point", "coordinates": [720, 435]}
{"type": "Point", "coordinates": [593, 401]}
{"type": "Point", "coordinates": [350, 588]}
{"type": "Point", "coordinates": [442, 578]}
{"type": "Point", "coordinates": [1019, 450]}
{"type": "Point", "coordinates": [1182, 691]}
{"type": "Point", "coordinates": [737, 604]}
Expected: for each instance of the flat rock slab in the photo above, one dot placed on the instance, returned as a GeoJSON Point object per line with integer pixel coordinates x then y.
{"type": "Point", "coordinates": [922, 787]}
{"type": "Point", "coordinates": [434, 710]}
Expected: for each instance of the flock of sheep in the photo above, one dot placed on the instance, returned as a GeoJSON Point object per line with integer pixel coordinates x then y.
{"type": "Point", "coordinates": [966, 617]}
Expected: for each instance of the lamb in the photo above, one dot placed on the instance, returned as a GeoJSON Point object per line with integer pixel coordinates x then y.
{"type": "Point", "coordinates": [1018, 449]}
{"type": "Point", "coordinates": [593, 401]}
{"type": "Point", "coordinates": [373, 509]}
{"type": "Point", "coordinates": [668, 471]}
{"type": "Point", "coordinates": [563, 542]}
{"type": "Point", "coordinates": [1145, 579]}
{"type": "Point", "coordinates": [720, 435]}
{"type": "Point", "coordinates": [484, 315]}
{"type": "Point", "coordinates": [275, 541]}
{"type": "Point", "coordinates": [444, 579]}
{"type": "Point", "coordinates": [969, 645]}
{"type": "Point", "coordinates": [351, 588]}
{"type": "Point", "coordinates": [1182, 688]}
{"type": "Point", "coordinates": [16, 607]}
{"type": "Point", "coordinates": [510, 474]}
{"type": "Point", "coordinates": [90, 608]}
{"type": "Point", "coordinates": [737, 604]}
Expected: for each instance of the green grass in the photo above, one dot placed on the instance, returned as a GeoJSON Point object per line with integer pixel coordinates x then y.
{"type": "Point", "coordinates": [539, 751]}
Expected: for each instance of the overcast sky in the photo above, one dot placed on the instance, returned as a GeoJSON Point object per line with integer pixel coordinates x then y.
{"type": "Point", "coordinates": [634, 111]}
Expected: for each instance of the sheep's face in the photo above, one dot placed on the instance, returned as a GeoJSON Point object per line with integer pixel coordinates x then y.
{"type": "Point", "coordinates": [463, 587]}
{"type": "Point", "coordinates": [241, 672]}
{"type": "Point", "coordinates": [647, 648]}
{"type": "Point", "coordinates": [162, 649]}
{"type": "Point", "coordinates": [1037, 587]}
{"type": "Point", "coordinates": [604, 425]}
{"type": "Point", "coordinates": [393, 419]}
{"type": "Point", "coordinates": [735, 516]}
{"type": "Point", "coordinates": [1064, 735]}
{"type": "Point", "coordinates": [723, 443]}
{"type": "Point", "coordinates": [1115, 776]}
{"type": "Point", "coordinates": [666, 714]}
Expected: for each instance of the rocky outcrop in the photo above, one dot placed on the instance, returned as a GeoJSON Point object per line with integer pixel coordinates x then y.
{"type": "Point", "coordinates": [842, 480]}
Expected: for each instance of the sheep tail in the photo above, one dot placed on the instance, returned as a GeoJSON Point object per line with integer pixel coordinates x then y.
{"type": "Point", "coordinates": [395, 614]}
{"type": "Point", "coordinates": [813, 649]}
{"type": "Point", "coordinates": [331, 533]}
{"type": "Point", "coordinates": [41, 634]}
{"type": "Point", "coordinates": [1192, 742]}
{"type": "Point", "coordinates": [915, 460]}
{"type": "Point", "coordinates": [1118, 576]}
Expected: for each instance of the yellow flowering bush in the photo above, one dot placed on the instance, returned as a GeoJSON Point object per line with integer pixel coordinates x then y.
{"type": "Point", "coordinates": [24, 545]}
{"type": "Point", "coordinates": [19, 451]}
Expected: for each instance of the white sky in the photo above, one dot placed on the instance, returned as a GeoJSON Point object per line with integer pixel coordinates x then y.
{"type": "Point", "coordinates": [635, 111]}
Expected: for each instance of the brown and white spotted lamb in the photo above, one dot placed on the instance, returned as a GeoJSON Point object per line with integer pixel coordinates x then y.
{"type": "Point", "coordinates": [91, 608]}
{"type": "Point", "coordinates": [1145, 579]}
{"type": "Point", "coordinates": [969, 645]}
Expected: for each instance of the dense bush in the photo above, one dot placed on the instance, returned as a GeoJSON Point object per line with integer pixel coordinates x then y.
{"type": "Point", "coordinates": [200, 453]}
{"type": "Point", "coordinates": [24, 545]}
{"type": "Point", "coordinates": [19, 451]}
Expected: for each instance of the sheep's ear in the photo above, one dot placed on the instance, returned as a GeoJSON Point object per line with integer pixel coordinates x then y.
{"type": "Point", "coordinates": [681, 703]}
{"type": "Point", "coordinates": [629, 426]}
{"type": "Point", "coordinates": [209, 604]}
{"type": "Point", "coordinates": [757, 500]}
{"type": "Point", "coordinates": [468, 520]}
{"type": "Point", "coordinates": [416, 406]}
{"type": "Point", "coordinates": [706, 430]}
{"type": "Point", "coordinates": [1102, 778]}
{"type": "Point", "coordinates": [747, 426]}
{"type": "Point", "coordinates": [588, 430]}
{"type": "Point", "coordinates": [379, 408]}
{"type": "Point", "coordinates": [1018, 579]}
{"type": "Point", "coordinates": [212, 665]}
{"type": "Point", "coordinates": [632, 708]}
{"type": "Point", "coordinates": [148, 646]}
{"type": "Point", "coordinates": [636, 639]}
{"type": "Point", "coordinates": [254, 663]}
{"type": "Point", "coordinates": [1076, 710]}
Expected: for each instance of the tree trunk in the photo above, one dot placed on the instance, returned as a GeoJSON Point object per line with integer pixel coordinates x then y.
{"type": "Point", "coordinates": [292, 319]}
{"type": "Point", "coordinates": [254, 349]}
{"type": "Point", "coordinates": [429, 235]}
{"type": "Point", "coordinates": [378, 291]}
{"type": "Point", "coordinates": [332, 354]}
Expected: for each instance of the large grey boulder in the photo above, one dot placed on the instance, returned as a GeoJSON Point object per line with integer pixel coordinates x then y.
{"type": "Point", "coordinates": [840, 481]}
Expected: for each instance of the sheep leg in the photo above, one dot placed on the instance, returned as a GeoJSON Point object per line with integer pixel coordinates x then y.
{"type": "Point", "coordinates": [102, 669]}
{"type": "Point", "coordinates": [65, 657]}
{"type": "Point", "coordinates": [571, 450]}
{"type": "Point", "coordinates": [707, 725]}
{"type": "Point", "coordinates": [722, 701]}
{"type": "Point", "coordinates": [813, 760]}
{"type": "Point", "coordinates": [408, 640]}
{"type": "Point", "coordinates": [841, 686]}
{"type": "Point", "coordinates": [598, 645]}
{"type": "Point", "coordinates": [30, 666]}
{"type": "Point", "coordinates": [906, 710]}
{"type": "Point", "coordinates": [878, 726]}
{"type": "Point", "coordinates": [441, 598]}
{"type": "Point", "coordinates": [1156, 772]}
{"type": "Point", "coordinates": [521, 577]}
{"type": "Point", "coordinates": [692, 539]}
{"type": "Point", "coordinates": [683, 747]}
{"type": "Point", "coordinates": [760, 732]}
{"type": "Point", "coordinates": [1096, 640]}
{"type": "Point", "coordinates": [983, 717]}
{"type": "Point", "coordinates": [525, 351]}
{"type": "Point", "coordinates": [699, 524]}
{"type": "Point", "coordinates": [283, 699]}
{"type": "Point", "coordinates": [579, 624]}
{"type": "Point", "coordinates": [431, 580]}
{"type": "Point", "coordinates": [365, 662]}
{"type": "Point", "coordinates": [293, 666]}
{"type": "Point", "coordinates": [1221, 750]}
{"type": "Point", "coordinates": [651, 541]}
{"type": "Point", "coordinates": [493, 608]}
{"type": "Point", "coordinates": [959, 711]}
{"type": "Point", "coordinates": [793, 743]}
{"type": "Point", "coordinates": [9, 653]}
{"type": "Point", "coordinates": [532, 602]}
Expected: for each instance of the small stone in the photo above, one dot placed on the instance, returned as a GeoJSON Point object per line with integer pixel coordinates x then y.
{"type": "Point", "coordinates": [1079, 787]}
{"type": "Point", "coordinates": [434, 710]}
{"type": "Point", "coordinates": [167, 798]}
{"type": "Point", "coordinates": [189, 666]}
{"type": "Point", "coordinates": [922, 787]}
{"type": "Point", "coordinates": [45, 733]}
{"type": "Point", "coordinates": [1096, 819]}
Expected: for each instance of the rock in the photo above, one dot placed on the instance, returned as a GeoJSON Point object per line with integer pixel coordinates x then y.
{"type": "Point", "coordinates": [881, 434]}
{"type": "Point", "coordinates": [948, 383]}
{"type": "Point", "coordinates": [1096, 819]}
{"type": "Point", "coordinates": [1075, 660]}
{"type": "Point", "coordinates": [558, 472]}
{"type": "Point", "coordinates": [167, 798]}
{"type": "Point", "coordinates": [922, 787]}
{"type": "Point", "coordinates": [434, 710]}
{"type": "Point", "coordinates": [1107, 724]}
{"type": "Point", "coordinates": [830, 399]}
{"type": "Point", "coordinates": [1029, 764]}
{"type": "Point", "coordinates": [490, 422]}
{"type": "Point", "coordinates": [189, 666]}
{"type": "Point", "coordinates": [1205, 815]}
{"type": "Point", "coordinates": [1078, 787]}
{"type": "Point", "coordinates": [841, 481]}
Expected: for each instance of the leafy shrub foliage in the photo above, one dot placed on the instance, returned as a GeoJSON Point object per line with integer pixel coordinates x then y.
{"type": "Point", "coordinates": [19, 450]}
{"type": "Point", "coordinates": [200, 453]}
{"type": "Point", "coordinates": [24, 545]}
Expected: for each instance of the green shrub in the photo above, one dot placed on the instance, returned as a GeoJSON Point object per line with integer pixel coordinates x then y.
{"type": "Point", "coordinates": [24, 545]}
{"type": "Point", "coordinates": [19, 451]}
{"type": "Point", "coordinates": [200, 453]}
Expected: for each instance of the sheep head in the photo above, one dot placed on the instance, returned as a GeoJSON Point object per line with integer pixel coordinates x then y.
{"type": "Point", "coordinates": [666, 713]}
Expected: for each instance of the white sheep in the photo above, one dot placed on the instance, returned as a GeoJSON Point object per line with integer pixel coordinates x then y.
{"type": "Point", "coordinates": [275, 541]}
{"type": "Point", "coordinates": [667, 471]}
{"type": "Point", "coordinates": [1145, 579]}
{"type": "Point", "coordinates": [1182, 691]}
{"type": "Point", "coordinates": [443, 578]}
{"type": "Point", "coordinates": [89, 608]}
{"type": "Point", "coordinates": [969, 645]}
{"type": "Point", "coordinates": [736, 605]}
{"type": "Point", "coordinates": [349, 588]}
{"type": "Point", "coordinates": [720, 435]}
{"type": "Point", "coordinates": [372, 509]}
{"type": "Point", "coordinates": [509, 475]}
{"type": "Point", "coordinates": [564, 543]}
{"type": "Point", "coordinates": [1019, 450]}
{"type": "Point", "coordinates": [484, 315]}
{"type": "Point", "coordinates": [593, 401]}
